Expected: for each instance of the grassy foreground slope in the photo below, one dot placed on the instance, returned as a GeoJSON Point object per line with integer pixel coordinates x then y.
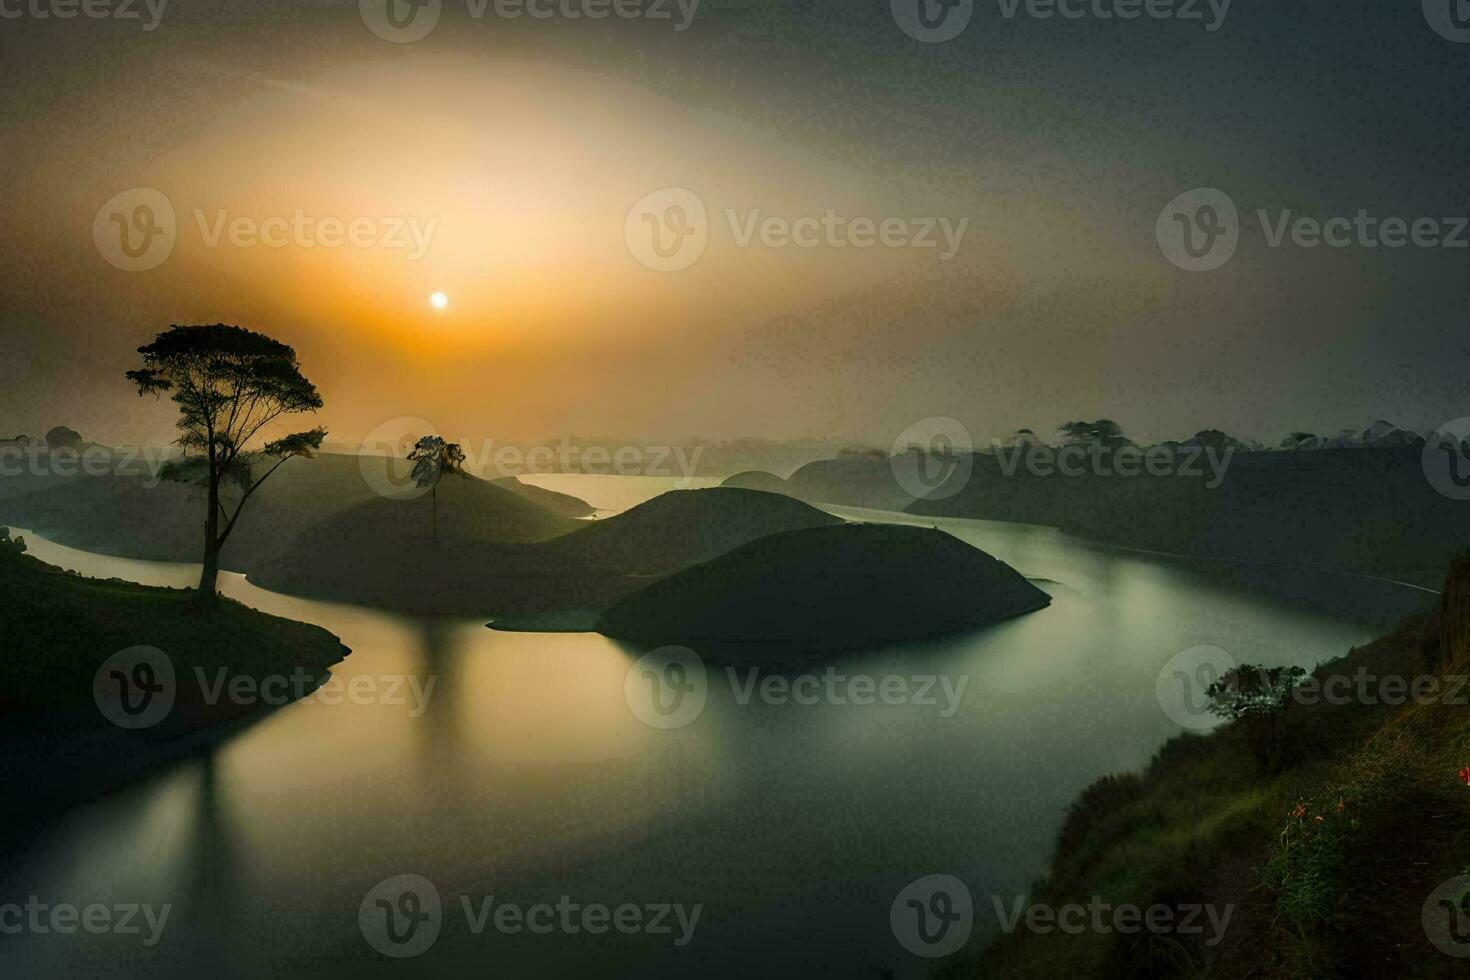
{"type": "Point", "coordinates": [1329, 859]}
{"type": "Point", "coordinates": [59, 628]}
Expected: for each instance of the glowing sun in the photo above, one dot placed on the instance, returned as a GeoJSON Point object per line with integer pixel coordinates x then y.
{"type": "Point", "coordinates": [439, 301]}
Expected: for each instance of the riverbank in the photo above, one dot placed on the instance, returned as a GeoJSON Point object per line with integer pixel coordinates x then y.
{"type": "Point", "coordinates": [1327, 858]}
{"type": "Point", "coordinates": [65, 684]}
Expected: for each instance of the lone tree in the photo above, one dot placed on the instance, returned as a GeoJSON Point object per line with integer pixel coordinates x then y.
{"type": "Point", "coordinates": [1102, 434]}
{"type": "Point", "coordinates": [432, 457]}
{"type": "Point", "coordinates": [1256, 697]}
{"type": "Point", "coordinates": [63, 437]}
{"type": "Point", "coordinates": [229, 383]}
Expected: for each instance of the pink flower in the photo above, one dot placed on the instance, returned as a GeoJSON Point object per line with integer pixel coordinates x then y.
{"type": "Point", "coordinates": [1301, 809]}
{"type": "Point", "coordinates": [1465, 775]}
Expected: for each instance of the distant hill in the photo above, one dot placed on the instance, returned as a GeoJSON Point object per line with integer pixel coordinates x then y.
{"type": "Point", "coordinates": [1365, 510]}
{"type": "Point", "coordinates": [553, 500]}
{"type": "Point", "coordinates": [826, 590]}
{"type": "Point", "coordinates": [856, 480]}
{"type": "Point", "coordinates": [757, 480]}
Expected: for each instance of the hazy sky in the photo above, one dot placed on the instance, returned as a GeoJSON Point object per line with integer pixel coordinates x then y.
{"type": "Point", "coordinates": [516, 149]}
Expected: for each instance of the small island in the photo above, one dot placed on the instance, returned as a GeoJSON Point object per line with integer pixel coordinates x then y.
{"type": "Point", "coordinates": [826, 590]}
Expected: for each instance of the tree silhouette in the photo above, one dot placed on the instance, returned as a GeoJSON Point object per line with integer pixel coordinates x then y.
{"type": "Point", "coordinates": [432, 457]}
{"type": "Point", "coordinates": [1104, 434]}
{"type": "Point", "coordinates": [63, 437]}
{"type": "Point", "coordinates": [229, 384]}
{"type": "Point", "coordinates": [1255, 697]}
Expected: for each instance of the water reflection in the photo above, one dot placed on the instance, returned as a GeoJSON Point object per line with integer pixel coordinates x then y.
{"type": "Point", "coordinates": [527, 774]}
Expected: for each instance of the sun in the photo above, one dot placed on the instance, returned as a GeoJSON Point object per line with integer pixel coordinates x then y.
{"type": "Point", "coordinates": [439, 301]}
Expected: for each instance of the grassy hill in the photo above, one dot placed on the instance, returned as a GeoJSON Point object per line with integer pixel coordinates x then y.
{"type": "Point", "coordinates": [1329, 856]}
{"type": "Point", "coordinates": [827, 589]}
{"type": "Point", "coordinates": [59, 628]}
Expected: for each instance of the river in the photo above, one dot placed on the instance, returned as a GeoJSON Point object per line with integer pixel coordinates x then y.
{"type": "Point", "coordinates": [526, 774]}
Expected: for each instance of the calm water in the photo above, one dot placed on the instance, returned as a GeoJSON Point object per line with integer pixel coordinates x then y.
{"type": "Point", "coordinates": [528, 776]}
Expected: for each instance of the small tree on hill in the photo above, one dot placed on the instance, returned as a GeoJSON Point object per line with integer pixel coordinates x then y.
{"type": "Point", "coordinates": [1104, 434]}
{"type": "Point", "coordinates": [432, 457]}
{"type": "Point", "coordinates": [1256, 697]}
